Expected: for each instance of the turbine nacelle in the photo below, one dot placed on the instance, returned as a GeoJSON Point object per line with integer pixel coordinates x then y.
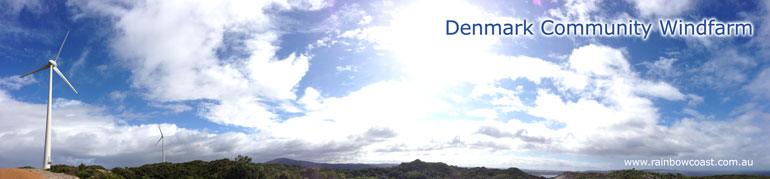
{"type": "Point", "coordinates": [52, 63]}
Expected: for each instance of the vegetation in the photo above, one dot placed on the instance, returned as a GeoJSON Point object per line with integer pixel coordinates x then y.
{"type": "Point", "coordinates": [242, 167]}
{"type": "Point", "coordinates": [83, 171]}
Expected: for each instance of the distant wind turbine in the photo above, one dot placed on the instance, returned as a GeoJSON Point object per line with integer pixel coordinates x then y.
{"type": "Point", "coordinates": [52, 67]}
{"type": "Point", "coordinates": [162, 153]}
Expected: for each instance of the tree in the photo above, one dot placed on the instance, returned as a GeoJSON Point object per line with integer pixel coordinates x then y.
{"type": "Point", "coordinates": [243, 159]}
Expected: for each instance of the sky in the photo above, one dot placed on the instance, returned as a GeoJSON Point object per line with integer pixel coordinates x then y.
{"type": "Point", "coordinates": [380, 82]}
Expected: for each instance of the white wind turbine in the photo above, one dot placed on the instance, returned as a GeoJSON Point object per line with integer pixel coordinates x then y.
{"type": "Point", "coordinates": [162, 153]}
{"type": "Point", "coordinates": [52, 67]}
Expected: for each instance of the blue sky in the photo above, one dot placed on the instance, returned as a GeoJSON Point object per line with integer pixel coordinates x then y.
{"type": "Point", "coordinates": [380, 82]}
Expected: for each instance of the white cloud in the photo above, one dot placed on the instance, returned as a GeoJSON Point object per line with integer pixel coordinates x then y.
{"type": "Point", "coordinates": [170, 49]}
{"type": "Point", "coordinates": [760, 38]}
{"type": "Point", "coordinates": [14, 7]}
{"type": "Point", "coordinates": [80, 131]}
{"type": "Point", "coordinates": [365, 20]}
{"type": "Point", "coordinates": [607, 69]}
{"type": "Point", "coordinates": [118, 95]}
{"type": "Point", "coordinates": [725, 69]}
{"type": "Point", "coordinates": [659, 89]}
{"type": "Point", "coordinates": [606, 107]}
{"type": "Point", "coordinates": [343, 17]}
{"type": "Point", "coordinates": [760, 85]}
{"type": "Point", "coordinates": [617, 106]}
{"type": "Point", "coordinates": [663, 67]}
{"type": "Point", "coordinates": [312, 99]}
{"type": "Point", "coordinates": [15, 83]}
{"type": "Point", "coordinates": [612, 115]}
{"type": "Point", "coordinates": [576, 10]}
{"type": "Point", "coordinates": [174, 107]}
{"type": "Point", "coordinates": [482, 113]}
{"type": "Point", "coordinates": [599, 60]}
{"type": "Point", "coordinates": [502, 99]}
{"type": "Point", "coordinates": [694, 100]}
{"type": "Point", "coordinates": [86, 133]}
{"type": "Point", "coordinates": [661, 8]}
{"type": "Point", "coordinates": [78, 63]}
{"type": "Point", "coordinates": [312, 5]}
{"type": "Point", "coordinates": [347, 68]}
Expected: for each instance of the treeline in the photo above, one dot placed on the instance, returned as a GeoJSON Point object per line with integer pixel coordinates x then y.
{"type": "Point", "coordinates": [242, 167]}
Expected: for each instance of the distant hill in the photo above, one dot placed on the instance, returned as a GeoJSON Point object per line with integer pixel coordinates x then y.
{"type": "Point", "coordinates": [242, 167]}
{"type": "Point", "coordinates": [351, 166]}
{"type": "Point", "coordinates": [420, 169]}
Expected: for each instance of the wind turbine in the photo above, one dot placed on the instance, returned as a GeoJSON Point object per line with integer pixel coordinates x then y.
{"type": "Point", "coordinates": [52, 67]}
{"type": "Point", "coordinates": [162, 153]}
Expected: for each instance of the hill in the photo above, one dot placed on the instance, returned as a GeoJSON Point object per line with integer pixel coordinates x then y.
{"type": "Point", "coordinates": [352, 166]}
{"type": "Point", "coordinates": [242, 167]}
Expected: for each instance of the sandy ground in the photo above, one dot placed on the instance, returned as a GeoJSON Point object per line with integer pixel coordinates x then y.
{"type": "Point", "coordinates": [34, 173]}
{"type": "Point", "coordinates": [18, 173]}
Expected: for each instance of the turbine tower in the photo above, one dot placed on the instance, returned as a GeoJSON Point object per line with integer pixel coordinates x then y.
{"type": "Point", "coordinates": [162, 153]}
{"type": "Point", "coordinates": [52, 67]}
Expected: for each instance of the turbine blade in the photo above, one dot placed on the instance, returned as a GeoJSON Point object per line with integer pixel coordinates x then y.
{"type": "Point", "coordinates": [39, 69]}
{"type": "Point", "coordinates": [161, 131]}
{"type": "Point", "coordinates": [156, 143]}
{"type": "Point", "coordinates": [62, 46]}
{"type": "Point", "coordinates": [56, 69]}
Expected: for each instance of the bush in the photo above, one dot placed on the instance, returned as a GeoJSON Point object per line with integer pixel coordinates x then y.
{"type": "Point", "coordinates": [60, 168]}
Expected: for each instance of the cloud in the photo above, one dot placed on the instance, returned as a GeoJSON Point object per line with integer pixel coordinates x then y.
{"type": "Point", "coordinates": [78, 63]}
{"type": "Point", "coordinates": [760, 85]}
{"type": "Point", "coordinates": [726, 69]}
{"type": "Point", "coordinates": [663, 67]}
{"type": "Point", "coordinates": [311, 100]}
{"type": "Point", "coordinates": [576, 10]}
{"type": "Point", "coordinates": [482, 113]}
{"type": "Point", "coordinates": [599, 60]}
{"type": "Point", "coordinates": [86, 133]}
{"type": "Point", "coordinates": [347, 68]}
{"type": "Point", "coordinates": [661, 8]}
{"type": "Point", "coordinates": [15, 83]}
{"type": "Point", "coordinates": [17, 6]}
{"type": "Point", "coordinates": [312, 5]}
{"type": "Point", "coordinates": [520, 134]}
{"type": "Point", "coordinates": [761, 18]}
{"type": "Point", "coordinates": [612, 114]}
{"type": "Point", "coordinates": [174, 107]}
{"type": "Point", "coordinates": [659, 89]}
{"type": "Point", "coordinates": [606, 68]}
{"type": "Point", "coordinates": [118, 95]}
{"type": "Point", "coordinates": [694, 100]}
{"type": "Point", "coordinates": [345, 16]}
{"type": "Point", "coordinates": [170, 48]}
{"type": "Point", "coordinates": [599, 105]}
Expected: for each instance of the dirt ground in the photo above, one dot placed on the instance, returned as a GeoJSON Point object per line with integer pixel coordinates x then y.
{"type": "Point", "coordinates": [18, 173]}
{"type": "Point", "coordinates": [35, 173]}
